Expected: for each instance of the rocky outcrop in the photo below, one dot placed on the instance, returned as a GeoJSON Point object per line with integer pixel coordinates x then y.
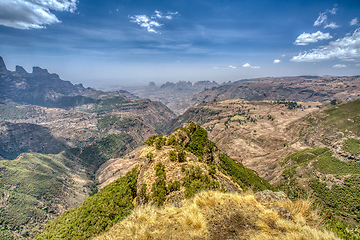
{"type": "Point", "coordinates": [2, 65]}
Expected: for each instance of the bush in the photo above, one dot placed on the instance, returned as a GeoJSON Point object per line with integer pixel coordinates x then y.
{"type": "Point", "coordinates": [172, 155]}
{"type": "Point", "coordinates": [195, 181]}
{"type": "Point", "coordinates": [159, 189]}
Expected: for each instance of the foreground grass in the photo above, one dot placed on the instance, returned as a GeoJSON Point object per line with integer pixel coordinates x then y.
{"type": "Point", "coordinates": [216, 215]}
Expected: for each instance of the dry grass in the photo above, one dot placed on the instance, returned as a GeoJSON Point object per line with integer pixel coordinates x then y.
{"type": "Point", "coordinates": [216, 215]}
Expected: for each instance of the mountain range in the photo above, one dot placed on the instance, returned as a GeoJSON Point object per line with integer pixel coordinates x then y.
{"type": "Point", "coordinates": [182, 150]}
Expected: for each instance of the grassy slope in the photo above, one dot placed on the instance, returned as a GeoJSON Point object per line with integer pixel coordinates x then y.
{"type": "Point", "coordinates": [333, 182]}
{"type": "Point", "coordinates": [216, 215]}
{"type": "Point", "coordinates": [97, 213]}
{"type": "Point", "coordinates": [32, 186]}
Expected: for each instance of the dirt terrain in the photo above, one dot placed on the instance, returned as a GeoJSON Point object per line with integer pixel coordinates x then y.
{"type": "Point", "coordinates": [256, 133]}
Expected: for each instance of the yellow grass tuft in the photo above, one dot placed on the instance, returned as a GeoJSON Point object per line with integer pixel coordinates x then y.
{"type": "Point", "coordinates": [216, 215]}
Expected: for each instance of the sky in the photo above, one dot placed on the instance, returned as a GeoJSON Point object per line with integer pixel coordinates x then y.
{"type": "Point", "coordinates": [119, 43]}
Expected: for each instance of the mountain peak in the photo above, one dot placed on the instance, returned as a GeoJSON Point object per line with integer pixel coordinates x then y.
{"type": "Point", "coordinates": [40, 71]}
{"type": "Point", "coordinates": [2, 65]}
{"type": "Point", "coordinates": [20, 70]}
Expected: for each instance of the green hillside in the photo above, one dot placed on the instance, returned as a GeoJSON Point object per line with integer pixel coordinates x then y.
{"type": "Point", "coordinates": [97, 213]}
{"type": "Point", "coordinates": [331, 174]}
{"type": "Point", "coordinates": [35, 187]}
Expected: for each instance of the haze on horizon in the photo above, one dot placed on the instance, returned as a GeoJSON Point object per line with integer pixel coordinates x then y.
{"type": "Point", "coordinates": [126, 43]}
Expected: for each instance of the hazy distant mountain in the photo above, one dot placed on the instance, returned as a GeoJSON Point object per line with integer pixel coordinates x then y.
{"type": "Point", "coordinates": [45, 89]}
{"type": "Point", "coordinates": [175, 96]}
{"type": "Point", "coordinates": [301, 88]}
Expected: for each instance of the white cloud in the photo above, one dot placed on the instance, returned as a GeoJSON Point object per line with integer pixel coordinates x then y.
{"type": "Point", "coordinates": [277, 61]}
{"type": "Point", "coordinates": [339, 66]}
{"type": "Point", "coordinates": [247, 65]}
{"type": "Point", "coordinates": [232, 67]}
{"type": "Point", "coordinates": [145, 22]}
{"type": "Point", "coordinates": [333, 11]}
{"type": "Point", "coordinates": [347, 48]}
{"type": "Point", "coordinates": [306, 38]}
{"type": "Point", "coordinates": [354, 21]}
{"type": "Point", "coordinates": [331, 25]}
{"type": "Point", "coordinates": [150, 23]}
{"type": "Point", "coordinates": [27, 14]}
{"type": "Point", "coordinates": [322, 19]}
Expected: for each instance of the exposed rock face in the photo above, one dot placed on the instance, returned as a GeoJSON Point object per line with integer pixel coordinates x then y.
{"type": "Point", "coordinates": [20, 70]}
{"type": "Point", "coordinates": [268, 195]}
{"type": "Point", "coordinates": [2, 65]}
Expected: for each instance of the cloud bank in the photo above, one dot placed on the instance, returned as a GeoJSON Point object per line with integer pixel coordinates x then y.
{"type": "Point", "coordinates": [306, 38]}
{"type": "Point", "coordinates": [347, 48]}
{"type": "Point", "coordinates": [28, 14]}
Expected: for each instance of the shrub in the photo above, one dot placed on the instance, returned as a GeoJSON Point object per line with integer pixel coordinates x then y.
{"type": "Point", "coordinates": [159, 189]}
{"type": "Point", "coordinates": [172, 155]}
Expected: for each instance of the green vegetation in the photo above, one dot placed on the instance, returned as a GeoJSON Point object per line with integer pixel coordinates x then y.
{"type": "Point", "coordinates": [6, 234]}
{"type": "Point", "coordinates": [341, 200]}
{"type": "Point", "coordinates": [289, 104]}
{"type": "Point", "coordinates": [173, 156]}
{"type": "Point", "coordinates": [330, 165]}
{"type": "Point", "coordinates": [159, 188]}
{"type": "Point", "coordinates": [199, 144]}
{"type": "Point", "coordinates": [109, 104]}
{"type": "Point", "coordinates": [245, 177]}
{"type": "Point", "coordinates": [31, 187]}
{"type": "Point", "coordinates": [343, 117]}
{"type": "Point", "coordinates": [142, 195]}
{"type": "Point", "coordinates": [352, 146]}
{"type": "Point", "coordinates": [97, 213]}
{"type": "Point", "coordinates": [150, 156]}
{"type": "Point", "coordinates": [16, 138]}
{"type": "Point", "coordinates": [343, 230]}
{"type": "Point", "coordinates": [304, 156]}
{"type": "Point", "coordinates": [10, 112]}
{"type": "Point", "coordinates": [195, 181]}
{"type": "Point", "coordinates": [103, 149]}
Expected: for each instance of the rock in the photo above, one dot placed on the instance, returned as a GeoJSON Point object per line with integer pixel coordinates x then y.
{"type": "Point", "coordinates": [40, 71]}
{"type": "Point", "coordinates": [2, 65]}
{"type": "Point", "coordinates": [268, 195]}
{"type": "Point", "coordinates": [20, 70]}
{"type": "Point", "coordinates": [283, 212]}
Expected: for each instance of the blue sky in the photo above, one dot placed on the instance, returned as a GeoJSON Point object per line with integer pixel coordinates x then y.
{"type": "Point", "coordinates": [127, 42]}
